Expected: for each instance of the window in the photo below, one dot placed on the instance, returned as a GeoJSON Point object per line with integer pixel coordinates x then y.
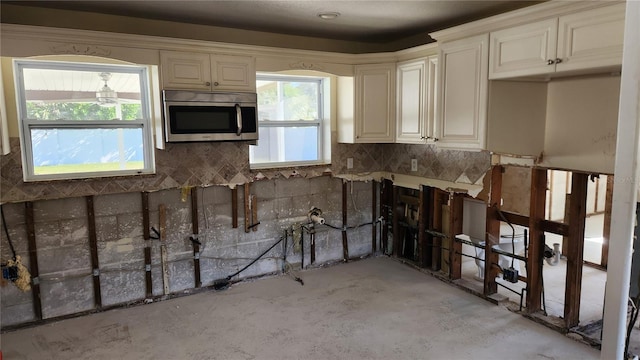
{"type": "Point", "coordinates": [80, 120]}
{"type": "Point", "coordinates": [291, 122]}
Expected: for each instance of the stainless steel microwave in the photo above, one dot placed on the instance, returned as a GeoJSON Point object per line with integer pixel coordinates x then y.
{"type": "Point", "coordinates": [209, 116]}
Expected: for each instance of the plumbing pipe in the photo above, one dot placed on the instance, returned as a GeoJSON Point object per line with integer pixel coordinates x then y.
{"type": "Point", "coordinates": [552, 256]}
{"type": "Point", "coordinates": [317, 219]}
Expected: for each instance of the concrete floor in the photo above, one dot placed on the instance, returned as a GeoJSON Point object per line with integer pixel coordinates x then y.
{"type": "Point", "coordinates": [370, 309]}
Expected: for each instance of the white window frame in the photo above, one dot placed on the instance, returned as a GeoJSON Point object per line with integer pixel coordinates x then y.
{"type": "Point", "coordinates": [26, 124]}
{"type": "Point", "coordinates": [322, 123]}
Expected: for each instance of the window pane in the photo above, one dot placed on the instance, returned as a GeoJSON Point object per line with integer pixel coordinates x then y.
{"type": "Point", "coordinates": [285, 144]}
{"type": "Point", "coordinates": [55, 94]}
{"type": "Point", "coordinates": [288, 100]}
{"type": "Point", "coordinates": [57, 151]}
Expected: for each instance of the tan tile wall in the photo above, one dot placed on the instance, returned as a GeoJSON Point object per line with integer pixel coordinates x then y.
{"type": "Point", "coordinates": [204, 164]}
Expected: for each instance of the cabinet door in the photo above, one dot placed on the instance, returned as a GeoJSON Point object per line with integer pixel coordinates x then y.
{"type": "Point", "coordinates": [462, 91]}
{"type": "Point", "coordinates": [181, 70]}
{"type": "Point", "coordinates": [591, 39]}
{"type": "Point", "coordinates": [233, 73]}
{"type": "Point", "coordinates": [523, 50]}
{"type": "Point", "coordinates": [375, 103]}
{"type": "Point", "coordinates": [411, 102]}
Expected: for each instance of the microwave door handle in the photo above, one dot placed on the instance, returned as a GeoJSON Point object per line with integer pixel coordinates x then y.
{"type": "Point", "coordinates": [239, 119]}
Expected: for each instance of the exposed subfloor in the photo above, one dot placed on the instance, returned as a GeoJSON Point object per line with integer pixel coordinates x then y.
{"type": "Point", "coordinates": [376, 308]}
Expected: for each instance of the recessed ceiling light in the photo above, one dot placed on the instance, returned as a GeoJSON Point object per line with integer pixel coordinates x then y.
{"type": "Point", "coordinates": [328, 15]}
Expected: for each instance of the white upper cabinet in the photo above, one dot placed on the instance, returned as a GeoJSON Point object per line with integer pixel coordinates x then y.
{"type": "Point", "coordinates": [375, 103]}
{"type": "Point", "coordinates": [208, 72]}
{"type": "Point", "coordinates": [462, 93]}
{"type": "Point", "coordinates": [415, 100]}
{"type": "Point", "coordinates": [583, 40]}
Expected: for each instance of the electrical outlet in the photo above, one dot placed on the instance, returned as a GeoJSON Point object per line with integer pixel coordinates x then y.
{"type": "Point", "coordinates": [349, 163]}
{"type": "Point", "coordinates": [414, 164]}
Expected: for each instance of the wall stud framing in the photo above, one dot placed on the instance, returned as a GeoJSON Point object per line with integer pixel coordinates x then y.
{"type": "Point", "coordinates": [493, 231]}
{"type": "Point", "coordinates": [33, 260]}
{"type": "Point", "coordinates": [577, 215]}
{"type": "Point", "coordinates": [456, 205]}
{"type": "Point", "coordinates": [93, 247]}
{"type": "Point", "coordinates": [345, 243]}
{"type": "Point", "coordinates": [536, 239]}
{"type": "Point", "coordinates": [147, 248]}
{"type": "Point", "coordinates": [195, 239]}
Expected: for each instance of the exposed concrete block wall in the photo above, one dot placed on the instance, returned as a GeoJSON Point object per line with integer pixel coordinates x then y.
{"type": "Point", "coordinates": [64, 256]}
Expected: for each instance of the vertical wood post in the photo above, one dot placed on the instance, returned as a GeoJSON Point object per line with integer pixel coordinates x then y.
{"type": "Point", "coordinates": [577, 215]}
{"type": "Point", "coordinates": [397, 242]}
{"type": "Point", "coordinates": [234, 207]}
{"type": "Point", "coordinates": [147, 247]}
{"type": "Point", "coordinates": [374, 207]}
{"type": "Point", "coordinates": [423, 219]}
{"type": "Point", "coordinates": [435, 223]}
{"type": "Point", "coordinates": [93, 247]}
{"type": "Point", "coordinates": [345, 243]}
{"type": "Point", "coordinates": [606, 229]}
{"type": "Point", "coordinates": [196, 231]}
{"type": "Point", "coordinates": [493, 231]}
{"type": "Point", "coordinates": [247, 207]}
{"type": "Point", "coordinates": [456, 206]}
{"type": "Point", "coordinates": [538, 197]}
{"type": "Point", "coordinates": [162, 220]}
{"type": "Point", "coordinates": [33, 260]}
{"type": "Point", "coordinates": [386, 204]}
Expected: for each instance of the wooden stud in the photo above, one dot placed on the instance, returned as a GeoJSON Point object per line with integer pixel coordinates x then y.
{"type": "Point", "coordinates": [93, 247]}
{"type": "Point", "coordinates": [33, 259]}
{"type": "Point", "coordinates": [423, 220]}
{"type": "Point", "coordinates": [386, 204]}
{"type": "Point", "coordinates": [254, 213]}
{"type": "Point", "coordinates": [535, 252]}
{"type": "Point", "coordinates": [397, 212]}
{"type": "Point", "coordinates": [234, 207]}
{"type": "Point", "coordinates": [345, 244]}
{"type": "Point", "coordinates": [374, 227]}
{"type": "Point", "coordinates": [567, 209]}
{"type": "Point", "coordinates": [247, 208]}
{"type": "Point", "coordinates": [147, 248]}
{"type": "Point", "coordinates": [577, 216]}
{"type": "Point", "coordinates": [435, 223]}
{"type": "Point", "coordinates": [162, 214]}
{"type": "Point", "coordinates": [493, 231]}
{"type": "Point", "coordinates": [312, 248]}
{"type": "Point", "coordinates": [195, 229]}
{"type": "Point", "coordinates": [606, 229]}
{"type": "Point", "coordinates": [456, 207]}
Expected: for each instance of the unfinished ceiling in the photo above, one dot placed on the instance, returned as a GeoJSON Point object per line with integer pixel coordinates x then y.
{"type": "Point", "coordinates": [359, 20]}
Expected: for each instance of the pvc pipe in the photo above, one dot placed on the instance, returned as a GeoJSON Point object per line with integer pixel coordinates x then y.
{"type": "Point", "coordinates": [624, 192]}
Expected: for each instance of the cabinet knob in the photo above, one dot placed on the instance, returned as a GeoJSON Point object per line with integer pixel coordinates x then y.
{"type": "Point", "coordinates": [558, 61]}
{"type": "Point", "coordinates": [207, 84]}
{"type": "Point", "coordinates": [550, 62]}
{"type": "Point", "coordinates": [216, 83]}
{"type": "Point", "coordinates": [435, 139]}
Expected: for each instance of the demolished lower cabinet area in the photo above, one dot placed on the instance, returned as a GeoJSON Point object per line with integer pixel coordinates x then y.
{"type": "Point", "coordinates": [462, 88]}
{"type": "Point", "coordinates": [366, 104]}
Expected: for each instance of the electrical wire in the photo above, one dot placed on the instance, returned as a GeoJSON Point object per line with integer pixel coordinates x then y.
{"type": "Point", "coordinates": [6, 230]}
{"type": "Point", "coordinates": [513, 234]}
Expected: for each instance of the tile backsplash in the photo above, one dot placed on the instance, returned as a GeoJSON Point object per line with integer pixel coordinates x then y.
{"type": "Point", "coordinates": [204, 164]}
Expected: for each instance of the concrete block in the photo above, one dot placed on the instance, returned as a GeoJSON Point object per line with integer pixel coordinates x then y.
{"type": "Point", "coordinates": [212, 270]}
{"type": "Point", "coordinates": [74, 231]}
{"type": "Point", "coordinates": [265, 189]}
{"type": "Point", "coordinates": [130, 225]}
{"type": "Point", "coordinates": [17, 314]}
{"type": "Point", "coordinates": [181, 276]}
{"type": "Point", "coordinates": [48, 234]}
{"type": "Point", "coordinates": [106, 228]}
{"type": "Point", "coordinates": [121, 251]}
{"type": "Point", "coordinates": [64, 258]}
{"type": "Point", "coordinates": [122, 286]}
{"type": "Point", "coordinates": [51, 210]}
{"type": "Point", "coordinates": [66, 297]}
{"type": "Point", "coordinates": [214, 195]}
{"type": "Point", "coordinates": [320, 185]}
{"type": "Point", "coordinates": [266, 209]}
{"type": "Point", "coordinates": [114, 204]}
{"type": "Point", "coordinates": [11, 296]}
{"type": "Point", "coordinates": [284, 207]}
{"type": "Point", "coordinates": [291, 187]}
{"type": "Point", "coordinates": [14, 213]}
{"type": "Point", "coordinates": [18, 235]}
